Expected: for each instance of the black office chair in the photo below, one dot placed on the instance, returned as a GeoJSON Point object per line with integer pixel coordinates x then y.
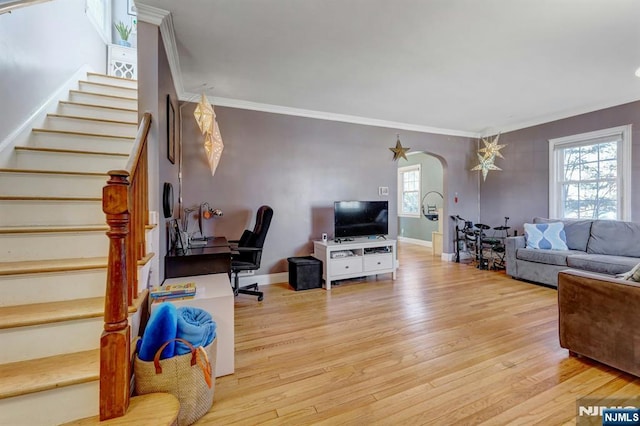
{"type": "Point", "coordinates": [247, 251]}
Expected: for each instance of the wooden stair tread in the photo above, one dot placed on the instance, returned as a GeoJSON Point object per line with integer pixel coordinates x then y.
{"type": "Point", "coordinates": [69, 151]}
{"type": "Point", "coordinates": [60, 265]}
{"type": "Point", "coordinates": [107, 85]}
{"type": "Point", "coordinates": [54, 265]}
{"type": "Point", "coordinates": [84, 104]}
{"type": "Point", "coordinates": [154, 409]}
{"type": "Point", "coordinates": [99, 120]}
{"type": "Point", "coordinates": [51, 312]}
{"type": "Point", "coordinates": [53, 172]}
{"type": "Point", "coordinates": [69, 132]}
{"type": "Point", "coordinates": [83, 92]}
{"type": "Point", "coordinates": [114, 77]}
{"type": "Point", "coordinates": [40, 229]}
{"type": "Point", "coordinates": [37, 198]}
{"type": "Point", "coordinates": [24, 377]}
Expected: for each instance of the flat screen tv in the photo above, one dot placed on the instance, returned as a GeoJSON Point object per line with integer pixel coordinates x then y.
{"type": "Point", "coordinates": [360, 218]}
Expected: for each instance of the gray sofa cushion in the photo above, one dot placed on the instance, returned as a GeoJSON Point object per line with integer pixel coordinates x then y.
{"type": "Point", "coordinates": [614, 237]}
{"type": "Point", "coordinates": [576, 230]}
{"type": "Point", "coordinates": [605, 264]}
{"type": "Point", "coordinates": [550, 257]}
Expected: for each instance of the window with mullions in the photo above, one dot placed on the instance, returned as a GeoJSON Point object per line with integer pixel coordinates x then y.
{"type": "Point", "coordinates": [409, 191]}
{"type": "Point", "coordinates": [99, 13]}
{"type": "Point", "coordinates": [590, 175]}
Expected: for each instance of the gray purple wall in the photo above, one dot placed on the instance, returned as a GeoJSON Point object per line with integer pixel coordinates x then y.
{"type": "Point", "coordinates": [300, 166]}
{"type": "Point", "coordinates": [155, 82]}
{"type": "Point", "coordinates": [521, 190]}
{"type": "Point", "coordinates": [38, 54]}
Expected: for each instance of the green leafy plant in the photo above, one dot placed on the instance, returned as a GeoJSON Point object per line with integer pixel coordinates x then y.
{"type": "Point", "coordinates": [123, 30]}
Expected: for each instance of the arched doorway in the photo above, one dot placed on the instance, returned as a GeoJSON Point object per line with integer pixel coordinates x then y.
{"type": "Point", "coordinates": [427, 172]}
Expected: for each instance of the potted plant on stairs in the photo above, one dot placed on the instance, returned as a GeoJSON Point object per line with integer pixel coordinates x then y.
{"type": "Point", "coordinates": [123, 31]}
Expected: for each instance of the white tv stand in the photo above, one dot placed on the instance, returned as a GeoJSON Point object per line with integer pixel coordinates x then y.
{"type": "Point", "coordinates": [370, 257]}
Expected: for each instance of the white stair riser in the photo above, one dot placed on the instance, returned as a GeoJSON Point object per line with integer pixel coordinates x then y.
{"type": "Point", "coordinates": [88, 98]}
{"type": "Point", "coordinates": [52, 286]}
{"type": "Point", "coordinates": [81, 143]}
{"type": "Point", "coordinates": [68, 162]}
{"type": "Point", "coordinates": [89, 126]}
{"type": "Point", "coordinates": [44, 185]}
{"type": "Point", "coordinates": [96, 112]}
{"type": "Point", "coordinates": [34, 213]}
{"type": "Point", "coordinates": [53, 245]}
{"type": "Point", "coordinates": [132, 84]}
{"type": "Point", "coordinates": [109, 90]}
{"type": "Point", "coordinates": [52, 407]}
{"type": "Point", "coordinates": [24, 343]}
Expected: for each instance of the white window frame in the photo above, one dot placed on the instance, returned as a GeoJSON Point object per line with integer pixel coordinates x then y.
{"type": "Point", "coordinates": [624, 168]}
{"type": "Point", "coordinates": [103, 14]}
{"type": "Point", "coordinates": [401, 171]}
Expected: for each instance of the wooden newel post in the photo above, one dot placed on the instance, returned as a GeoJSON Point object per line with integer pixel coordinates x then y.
{"type": "Point", "coordinates": [115, 340]}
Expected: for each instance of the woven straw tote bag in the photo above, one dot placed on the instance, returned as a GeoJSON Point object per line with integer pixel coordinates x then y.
{"type": "Point", "coordinates": [189, 377]}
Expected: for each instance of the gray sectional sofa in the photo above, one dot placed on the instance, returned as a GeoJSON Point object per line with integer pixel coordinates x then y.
{"type": "Point", "coordinates": [604, 246]}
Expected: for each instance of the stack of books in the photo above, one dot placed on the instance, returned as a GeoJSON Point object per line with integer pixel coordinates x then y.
{"type": "Point", "coordinates": [178, 291]}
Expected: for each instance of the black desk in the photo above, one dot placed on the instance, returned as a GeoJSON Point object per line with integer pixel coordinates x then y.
{"type": "Point", "coordinates": [213, 258]}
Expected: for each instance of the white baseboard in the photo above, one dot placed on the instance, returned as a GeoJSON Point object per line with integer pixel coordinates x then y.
{"type": "Point", "coordinates": [451, 257]}
{"type": "Point", "coordinates": [279, 277]}
{"type": "Point", "coordinates": [448, 257]}
{"type": "Point", "coordinates": [20, 135]}
{"type": "Point", "coordinates": [416, 241]}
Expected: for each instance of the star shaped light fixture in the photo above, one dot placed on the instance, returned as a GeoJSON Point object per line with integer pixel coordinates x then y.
{"type": "Point", "coordinates": [206, 119]}
{"type": "Point", "coordinates": [486, 164]}
{"type": "Point", "coordinates": [204, 115]}
{"type": "Point", "coordinates": [399, 151]}
{"type": "Point", "coordinates": [492, 148]}
{"type": "Point", "coordinates": [213, 146]}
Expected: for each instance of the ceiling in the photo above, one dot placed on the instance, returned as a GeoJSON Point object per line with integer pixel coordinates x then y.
{"type": "Point", "coordinates": [464, 67]}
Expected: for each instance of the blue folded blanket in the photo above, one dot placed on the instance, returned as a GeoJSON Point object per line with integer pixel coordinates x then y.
{"type": "Point", "coordinates": [196, 326]}
{"type": "Point", "coordinates": [162, 327]}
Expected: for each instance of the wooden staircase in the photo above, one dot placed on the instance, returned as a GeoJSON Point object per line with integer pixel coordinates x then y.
{"type": "Point", "coordinates": [53, 254]}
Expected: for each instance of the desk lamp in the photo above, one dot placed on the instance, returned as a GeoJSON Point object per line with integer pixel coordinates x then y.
{"type": "Point", "coordinates": [206, 212]}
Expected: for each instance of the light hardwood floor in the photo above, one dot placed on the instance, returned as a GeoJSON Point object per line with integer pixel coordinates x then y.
{"type": "Point", "coordinates": [444, 344]}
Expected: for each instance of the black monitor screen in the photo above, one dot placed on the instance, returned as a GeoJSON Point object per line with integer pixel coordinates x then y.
{"type": "Point", "coordinates": [360, 218]}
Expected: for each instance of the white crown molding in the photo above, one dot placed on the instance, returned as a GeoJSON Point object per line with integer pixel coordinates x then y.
{"type": "Point", "coordinates": [321, 115]}
{"type": "Point", "coordinates": [150, 14]}
{"type": "Point", "coordinates": [565, 114]}
{"type": "Point", "coordinates": [164, 21]}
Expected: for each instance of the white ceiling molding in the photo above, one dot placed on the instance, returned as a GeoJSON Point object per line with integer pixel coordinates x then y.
{"type": "Point", "coordinates": [566, 114]}
{"type": "Point", "coordinates": [162, 19]}
{"type": "Point", "coordinates": [321, 115]}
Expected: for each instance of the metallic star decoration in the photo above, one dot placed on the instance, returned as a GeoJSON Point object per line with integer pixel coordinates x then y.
{"type": "Point", "coordinates": [399, 151]}
{"type": "Point", "coordinates": [492, 148]}
{"type": "Point", "coordinates": [486, 164]}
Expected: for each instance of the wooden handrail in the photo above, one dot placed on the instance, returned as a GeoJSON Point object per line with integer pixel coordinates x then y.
{"type": "Point", "coordinates": [125, 204]}
{"type": "Point", "coordinates": [9, 6]}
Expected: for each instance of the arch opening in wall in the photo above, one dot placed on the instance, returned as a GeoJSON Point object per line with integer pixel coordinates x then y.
{"type": "Point", "coordinates": [420, 192]}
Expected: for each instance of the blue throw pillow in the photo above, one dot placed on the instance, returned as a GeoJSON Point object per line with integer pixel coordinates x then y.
{"type": "Point", "coordinates": [548, 236]}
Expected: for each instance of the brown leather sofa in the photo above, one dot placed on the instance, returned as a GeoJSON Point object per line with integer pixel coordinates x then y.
{"type": "Point", "coordinates": [600, 318]}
